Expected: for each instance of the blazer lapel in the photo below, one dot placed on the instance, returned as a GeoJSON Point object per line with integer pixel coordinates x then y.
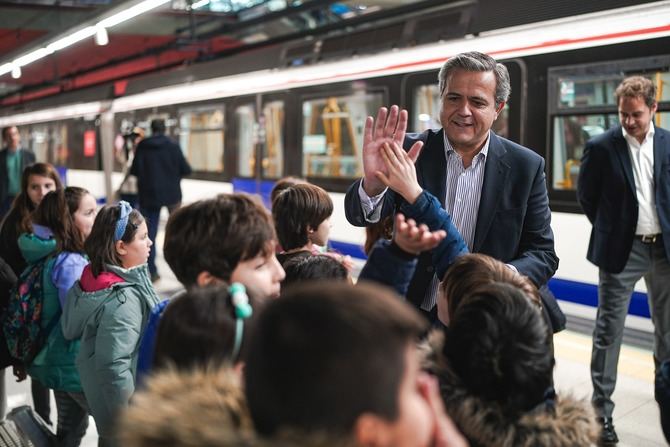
{"type": "Point", "coordinates": [432, 166]}
{"type": "Point", "coordinates": [661, 153]}
{"type": "Point", "coordinates": [495, 176]}
{"type": "Point", "coordinates": [621, 149]}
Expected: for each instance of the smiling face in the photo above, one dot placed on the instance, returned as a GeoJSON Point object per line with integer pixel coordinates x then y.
{"type": "Point", "coordinates": [635, 116]}
{"type": "Point", "coordinates": [261, 275]}
{"type": "Point", "coordinates": [38, 187]}
{"type": "Point", "coordinates": [85, 215]}
{"type": "Point", "coordinates": [135, 252]}
{"type": "Point", "coordinates": [469, 109]}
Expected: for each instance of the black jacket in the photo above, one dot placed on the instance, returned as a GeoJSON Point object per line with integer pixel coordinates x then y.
{"type": "Point", "coordinates": [513, 223]}
{"type": "Point", "coordinates": [159, 165]}
{"type": "Point", "coordinates": [606, 192]}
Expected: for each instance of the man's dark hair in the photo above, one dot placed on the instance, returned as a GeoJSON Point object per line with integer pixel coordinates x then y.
{"type": "Point", "coordinates": [197, 330]}
{"type": "Point", "coordinates": [477, 62]}
{"type": "Point", "coordinates": [100, 246]}
{"type": "Point", "coordinates": [312, 268]}
{"type": "Point", "coordinates": [325, 353]}
{"type": "Point", "coordinates": [297, 209]}
{"type": "Point", "coordinates": [283, 184]}
{"type": "Point", "coordinates": [215, 235]}
{"type": "Point", "coordinates": [157, 127]}
{"type": "Point", "coordinates": [499, 346]}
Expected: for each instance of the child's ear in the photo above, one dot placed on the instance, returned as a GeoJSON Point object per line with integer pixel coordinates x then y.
{"type": "Point", "coordinates": [372, 431]}
{"type": "Point", "coordinates": [121, 248]}
{"type": "Point", "coordinates": [205, 278]}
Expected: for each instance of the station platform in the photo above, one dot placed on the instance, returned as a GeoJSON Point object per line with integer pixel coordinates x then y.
{"type": "Point", "coordinates": [636, 416]}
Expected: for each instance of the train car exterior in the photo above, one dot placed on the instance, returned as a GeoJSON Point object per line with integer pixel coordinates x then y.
{"type": "Point", "coordinates": [242, 131]}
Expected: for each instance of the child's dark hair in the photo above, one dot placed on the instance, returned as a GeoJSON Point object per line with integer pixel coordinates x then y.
{"type": "Point", "coordinates": [198, 330]}
{"type": "Point", "coordinates": [283, 184]}
{"type": "Point", "coordinates": [100, 246]}
{"type": "Point", "coordinates": [499, 346]}
{"type": "Point", "coordinates": [333, 347]}
{"type": "Point", "coordinates": [22, 203]}
{"type": "Point", "coordinates": [297, 209]}
{"type": "Point", "coordinates": [53, 212]}
{"type": "Point", "coordinates": [312, 268]}
{"type": "Point", "coordinates": [215, 235]}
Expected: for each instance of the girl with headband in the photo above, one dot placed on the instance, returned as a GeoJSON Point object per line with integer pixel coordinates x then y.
{"type": "Point", "coordinates": [107, 309]}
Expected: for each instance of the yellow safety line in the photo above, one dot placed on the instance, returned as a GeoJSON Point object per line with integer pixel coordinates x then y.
{"type": "Point", "coordinates": [633, 362]}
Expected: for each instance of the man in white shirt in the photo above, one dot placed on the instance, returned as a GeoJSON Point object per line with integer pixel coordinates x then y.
{"type": "Point", "coordinates": [624, 189]}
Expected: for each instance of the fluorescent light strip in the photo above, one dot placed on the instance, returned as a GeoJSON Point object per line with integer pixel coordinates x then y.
{"type": "Point", "coordinates": [55, 114]}
{"type": "Point", "coordinates": [81, 34]}
{"type": "Point", "coordinates": [131, 12]}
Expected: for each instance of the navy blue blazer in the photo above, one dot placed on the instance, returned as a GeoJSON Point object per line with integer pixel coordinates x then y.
{"type": "Point", "coordinates": [513, 221]}
{"type": "Point", "coordinates": [27, 158]}
{"type": "Point", "coordinates": [606, 192]}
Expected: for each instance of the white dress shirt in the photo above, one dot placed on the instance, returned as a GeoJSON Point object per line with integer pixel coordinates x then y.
{"type": "Point", "coordinates": [642, 161]}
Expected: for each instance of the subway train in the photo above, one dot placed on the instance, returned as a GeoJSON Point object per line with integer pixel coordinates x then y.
{"type": "Point", "coordinates": [249, 119]}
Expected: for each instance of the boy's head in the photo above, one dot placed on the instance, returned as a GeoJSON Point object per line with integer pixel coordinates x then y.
{"type": "Point", "coordinates": [472, 270]}
{"type": "Point", "coordinates": [228, 238]}
{"type": "Point", "coordinates": [282, 184]}
{"type": "Point", "coordinates": [201, 329]}
{"type": "Point", "coordinates": [341, 360]}
{"type": "Point", "coordinates": [313, 268]}
{"type": "Point", "coordinates": [499, 345]}
{"type": "Point", "coordinates": [299, 211]}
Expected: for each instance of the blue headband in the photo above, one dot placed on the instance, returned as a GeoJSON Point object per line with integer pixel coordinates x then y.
{"type": "Point", "coordinates": [243, 310]}
{"type": "Point", "coordinates": [122, 221]}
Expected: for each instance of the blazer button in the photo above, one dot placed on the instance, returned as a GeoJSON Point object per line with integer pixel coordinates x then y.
{"type": "Point", "coordinates": [430, 269]}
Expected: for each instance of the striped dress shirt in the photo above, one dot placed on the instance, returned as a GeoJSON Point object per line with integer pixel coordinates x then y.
{"type": "Point", "coordinates": [464, 191]}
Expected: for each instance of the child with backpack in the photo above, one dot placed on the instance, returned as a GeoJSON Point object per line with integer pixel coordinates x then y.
{"type": "Point", "coordinates": [55, 253]}
{"type": "Point", "coordinates": [108, 309]}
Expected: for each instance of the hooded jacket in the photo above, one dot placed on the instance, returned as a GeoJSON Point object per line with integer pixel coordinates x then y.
{"type": "Point", "coordinates": [560, 422]}
{"type": "Point", "coordinates": [209, 410]}
{"type": "Point", "coordinates": [54, 366]}
{"type": "Point", "coordinates": [109, 320]}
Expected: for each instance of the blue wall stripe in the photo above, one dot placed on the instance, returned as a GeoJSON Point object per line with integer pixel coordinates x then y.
{"type": "Point", "coordinates": [581, 293]}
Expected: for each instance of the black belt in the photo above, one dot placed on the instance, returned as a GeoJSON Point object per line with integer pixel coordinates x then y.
{"type": "Point", "coordinates": [648, 238]}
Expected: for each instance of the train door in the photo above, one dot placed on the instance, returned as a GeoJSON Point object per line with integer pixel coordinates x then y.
{"type": "Point", "coordinates": [258, 133]}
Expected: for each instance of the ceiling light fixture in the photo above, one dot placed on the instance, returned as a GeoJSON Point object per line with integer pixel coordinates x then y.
{"type": "Point", "coordinates": [101, 37]}
{"type": "Point", "coordinates": [98, 30]}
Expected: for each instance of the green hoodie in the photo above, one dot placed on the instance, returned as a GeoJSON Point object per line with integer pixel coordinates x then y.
{"type": "Point", "coordinates": [54, 366]}
{"type": "Point", "coordinates": [110, 323]}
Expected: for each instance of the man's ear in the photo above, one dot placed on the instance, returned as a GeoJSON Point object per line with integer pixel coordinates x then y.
{"type": "Point", "coordinates": [499, 109]}
{"type": "Point", "coordinates": [205, 278]}
{"type": "Point", "coordinates": [372, 431]}
{"type": "Point", "coordinates": [120, 247]}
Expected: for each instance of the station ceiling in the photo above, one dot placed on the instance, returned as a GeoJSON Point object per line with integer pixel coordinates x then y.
{"type": "Point", "coordinates": [173, 34]}
{"type": "Point", "coordinates": [183, 32]}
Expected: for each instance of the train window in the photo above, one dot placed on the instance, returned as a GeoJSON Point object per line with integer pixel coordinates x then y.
{"type": "Point", "coordinates": [245, 121]}
{"type": "Point", "coordinates": [584, 106]}
{"type": "Point", "coordinates": [570, 134]}
{"type": "Point", "coordinates": [201, 137]}
{"type": "Point", "coordinates": [427, 105]}
{"type": "Point", "coordinates": [273, 149]}
{"type": "Point", "coordinates": [583, 91]}
{"type": "Point", "coordinates": [333, 134]}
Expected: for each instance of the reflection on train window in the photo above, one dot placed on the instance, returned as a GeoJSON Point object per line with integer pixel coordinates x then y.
{"type": "Point", "coordinates": [273, 149]}
{"type": "Point", "coordinates": [201, 137]}
{"type": "Point", "coordinates": [333, 134]}
{"type": "Point", "coordinates": [570, 135]}
{"type": "Point", "coordinates": [588, 90]}
{"type": "Point", "coordinates": [427, 107]}
{"type": "Point", "coordinates": [245, 123]}
{"type": "Point", "coordinates": [48, 142]}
